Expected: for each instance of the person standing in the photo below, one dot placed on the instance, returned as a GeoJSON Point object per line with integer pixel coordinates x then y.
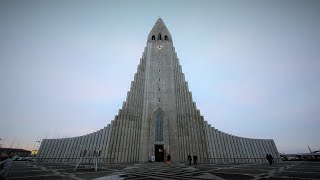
{"type": "Point", "coordinates": [195, 158]}
{"type": "Point", "coordinates": [190, 159]}
{"type": "Point", "coordinates": [169, 159]}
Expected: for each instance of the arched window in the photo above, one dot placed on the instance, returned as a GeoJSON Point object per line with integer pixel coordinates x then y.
{"type": "Point", "coordinates": [159, 36]}
{"type": "Point", "coordinates": [153, 38]}
{"type": "Point", "coordinates": [165, 37]}
{"type": "Point", "coordinates": [159, 127]}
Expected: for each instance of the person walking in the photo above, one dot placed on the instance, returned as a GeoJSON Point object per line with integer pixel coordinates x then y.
{"type": "Point", "coordinates": [268, 157]}
{"type": "Point", "coordinates": [169, 159]}
{"type": "Point", "coordinates": [190, 159]}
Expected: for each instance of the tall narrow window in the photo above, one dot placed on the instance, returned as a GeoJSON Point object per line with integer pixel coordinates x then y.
{"type": "Point", "coordinates": [159, 127]}
{"type": "Point", "coordinates": [165, 37]}
{"type": "Point", "coordinates": [153, 38]}
{"type": "Point", "coordinates": [159, 36]}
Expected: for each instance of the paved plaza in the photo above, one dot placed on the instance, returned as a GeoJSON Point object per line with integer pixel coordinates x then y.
{"type": "Point", "coordinates": [153, 170]}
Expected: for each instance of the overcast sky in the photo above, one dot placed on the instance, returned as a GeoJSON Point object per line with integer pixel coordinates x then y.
{"type": "Point", "coordinates": [252, 66]}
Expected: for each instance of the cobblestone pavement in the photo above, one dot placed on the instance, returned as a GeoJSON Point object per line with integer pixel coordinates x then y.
{"type": "Point", "coordinates": [286, 170]}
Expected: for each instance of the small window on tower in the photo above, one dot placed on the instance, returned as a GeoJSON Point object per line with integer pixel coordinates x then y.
{"type": "Point", "coordinates": [159, 79]}
{"type": "Point", "coordinates": [159, 36]}
{"type": "Point", "coordinates": [153, 38]}
{"type": "Point", "coordinates": [159, 99]}
{"type": "Point", "coordinates": [159, 70]}
{"type": "Point", "coordinates": [165, 37]}
{"type": "Point", "coordinates": [158, 88]}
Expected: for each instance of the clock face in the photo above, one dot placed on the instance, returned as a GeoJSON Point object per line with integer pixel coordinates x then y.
{"type": "Point", "coordinates": [159, 46]}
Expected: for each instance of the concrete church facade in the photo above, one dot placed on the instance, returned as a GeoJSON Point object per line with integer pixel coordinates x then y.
{"type": "Point", "coordinates": [158, 117]}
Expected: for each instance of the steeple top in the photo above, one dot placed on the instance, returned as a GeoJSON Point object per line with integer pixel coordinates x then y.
{"type": "Point", "coordinates": [159, 32]}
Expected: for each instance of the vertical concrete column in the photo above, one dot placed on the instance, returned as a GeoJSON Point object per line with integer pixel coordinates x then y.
{"type": "Point", "coordinates": [246, 146]}
{"type": "Point", "coordinates": [231, 147]}
{"type": "Point", "coordinates": [109, 135]}
{"type": "Point", "coordinates": [235, 146]}
{"type": "Point", "coordinates": [202, 137]}
{"type": "Point", "coordinates": [240, 149]}
{"type": "Point", "coordinates": [75, 153]}
{"type": "Point", "coordinates": [218, 145]}
{"type": "Point", "coordinates": [252, 150]}
{"type": "Point", "coordinates": [98, 142]}
{"type": "Point", "coordinates": [86, 143]}
{"type": "Point", "coordinates": [243, 153]}
{"type": "Point", "coordinates": [129, 140]}
{"type": "Point", "coordinates": [255, 150]}
{"type": "Point", "coordinates": [68, 148]}
{"type": "Point", "coordinates": [104, 141]}
{"type": "Point", "coordinates": [72, 149]}
{"type": "Point", "coordinates": [209, 141]}
{"type": "Point", "coordinates": [88, 146]}
{"type": "Point", "coordinates": [227, 147]}
{"type": "Point", "coordinates": [50, 149]}
{"type": "Point", "coordinates": [124, 135]}
{"type": "Point", "coordinates": [115, 140]}
{"type": "Point", "coordinates": [56, 150]}
{"type": "Point", "coordinates": [215, 144]}
{"type": "Point", "coordinates": [53, 150]}
{"type": "Point", "coordinates": [64, 154]}
{"type": "Point", "coordinates": [61, 150]}
{"type": "Point", "coordinates": [264, 147]}
{"type": "Point", "coordinates": [119, 141]}
{"type": "Point", "coordinates": [101, 141]}
{"type": "Point", "coordinates": [46, 148]}
{"type": "Point", "coordinates": [250, 142]}
{"type": "Point", "coordinates": [223, 147]}
{"type": "Point", "coordinates": [260, 153]}
{"type": "Point", "coordinates": [94, 143]}
{"type": "Point", "coordinates": [197, 131]}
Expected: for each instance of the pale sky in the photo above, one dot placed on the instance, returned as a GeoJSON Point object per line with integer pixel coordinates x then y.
{"type": "Point", "coordinates": [252, 66]}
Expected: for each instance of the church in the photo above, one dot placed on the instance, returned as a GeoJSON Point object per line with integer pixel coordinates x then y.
{"type": "Point", "coordinates": [158, 117]}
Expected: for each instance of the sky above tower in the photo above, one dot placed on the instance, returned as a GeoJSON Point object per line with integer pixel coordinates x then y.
{"type": "Point", "coordinates": [252, 66]}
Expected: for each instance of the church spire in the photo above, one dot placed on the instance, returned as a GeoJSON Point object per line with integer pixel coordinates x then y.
{"type": "Point", "coordinates": [159, 32]}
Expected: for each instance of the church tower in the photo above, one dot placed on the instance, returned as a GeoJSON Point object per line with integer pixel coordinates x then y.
{"type": "Point", "coordinates": [159, 118]}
